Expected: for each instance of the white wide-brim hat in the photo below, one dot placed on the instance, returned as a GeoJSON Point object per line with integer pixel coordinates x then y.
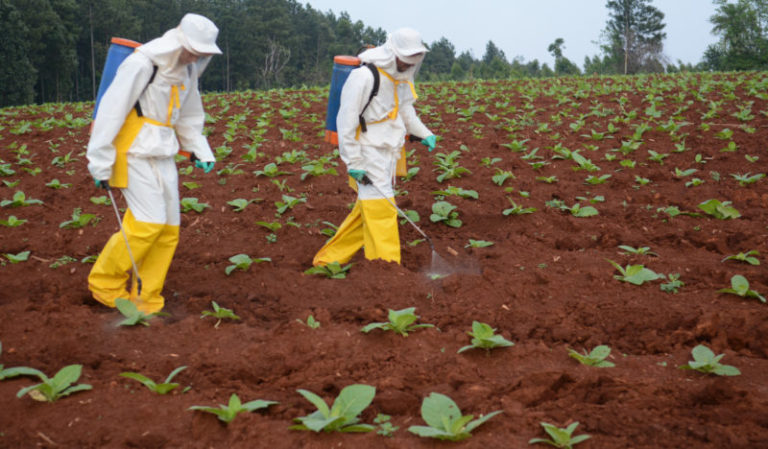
{"type": "Point", "coordinates": [198, 34]}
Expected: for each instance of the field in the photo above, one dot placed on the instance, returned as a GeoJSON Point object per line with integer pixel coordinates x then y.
{"type": "Point", "coordinates": [526, 165]}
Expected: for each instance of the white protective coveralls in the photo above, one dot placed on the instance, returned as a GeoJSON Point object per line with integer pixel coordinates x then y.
{"type": "Point", "coordinates": [389, 117]}
{"type": "Point", "coordinates": [142, 149]}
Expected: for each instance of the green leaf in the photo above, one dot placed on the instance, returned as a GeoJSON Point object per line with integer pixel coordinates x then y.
{"type": "Point", "coordinates": [353, 399]}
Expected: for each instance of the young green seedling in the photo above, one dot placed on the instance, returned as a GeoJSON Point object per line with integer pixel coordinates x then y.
{"type": "Point", "coordinates": [12, 222]}
{"type": "Point", "coordinates": [719, 210]}
{"type": "Point", "coordinates": [161, 388]}
{"type": "Point", "coordinates": [635, 274]}
{"type": "Point", "coordinates": [311, 322]}
{"type": "Point", "coordinates": [445, 421]}
{"type": "Point", "coordinates": [243, 262]}
{"type": "Point", "coordinates": [400, 321]}
{"type": "Point", "coordinates": [19, 200]}
{"type": "Point", "coordinates": [289, 202]}
{"type": "Point", "coordinates": [747, 178]}
{"type": "Point", "coordinates": [705, 361]}
{"type": "Point", "coordinates": [270, 171]}
{"type": "Point", "coordinates": [484, 337]}
{"type": "Point", "coordinates": [517, 209]}
{"type": "Point", "coordinates": [444, 212]}
{"type": "Point", "coordinates": [220, 313]}
{"type": "Point", "coordinates": [333, 270]}
{"type": "Point", "coordinates": [342, 416]}
{"type": "Point", "coordinates": [640, 251]}
{"type": "Point", "coordinates": [745, 257]}
{"type": "Point", "coordinates": [16, 258]}
{"type": "Point", "coordinates": [596, 357]}
{"type": "Point", "coordinates": [458, 191]}
{"type": "Point", "coordinates": [188, 204]}
{"type": "Point", "coordinates": [239, 204]}
{"type": "Point", "coordinates": [560, 438]}
{"type": "Point", "coordinates": [386, 428]}
{"type": "Point", "coordinates": [478, 244]}
{"type": "Point", "coordinates": [740, 287]}
{"type": "Point", "coordinates": [78, 220]}
{"type": "Point", "coordinates": [132, 314]}
{"type": "Point", "coordinates": [674, 283]}
{"type": "Point", "coordinates": [230, 411]}
{"type": "Point", "coordinates": [59, 386]}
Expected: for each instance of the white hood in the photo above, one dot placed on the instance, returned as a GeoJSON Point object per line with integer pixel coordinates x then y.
{"type": "Point", "coordinates": [404, 44]}
{"type": "Point", "coordinates": [164, 53]}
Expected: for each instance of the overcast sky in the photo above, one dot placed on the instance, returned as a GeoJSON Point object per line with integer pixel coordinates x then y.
{"type": "Point", "coordinates": [527, 27]}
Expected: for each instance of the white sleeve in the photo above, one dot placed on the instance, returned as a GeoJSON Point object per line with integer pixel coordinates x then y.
{"type": "Point", "coordinates": [189, 127]}
{"type": "Point", "coordinates": [130, 81]}
{"type": "Point", "coordinates": [354, 95]}
{"type": "Point", "coordinates": [413, 123]}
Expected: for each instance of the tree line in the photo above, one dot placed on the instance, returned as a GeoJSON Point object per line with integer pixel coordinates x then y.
{"type": "Point", "coordinates": [54, 50]}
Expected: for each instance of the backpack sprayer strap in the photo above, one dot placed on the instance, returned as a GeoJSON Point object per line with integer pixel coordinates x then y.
{"type": "Point", "coordinates": [137, 106]}
{"type": "Point", "coordinates": [376, 81]}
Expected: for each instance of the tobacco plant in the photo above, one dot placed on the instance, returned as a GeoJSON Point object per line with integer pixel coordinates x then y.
{"type": "Point", "coordinates": [62, 384]}
{"type": "Point", "coordinates": [243, 262]}
{"type": "Point", "coordinates": [640, 251]}
{"type": "Point", "coordinates": [219, 313]}
{"type": "Point", "coordinates": [719, 210]}
{"type": "Point", "coordinates": [160, 388]}
{"type": "Point", "coordinates": [343, 415]}
{"type": "Point", "coordinates": [19, 200]}
{"type": "Point", "coordinates": [445, 421]}
{"type": "Point", "coordinates": [740, 287]}
{"type": "Point", "coordinates": [743, 257]}
{"type": "Point", "coordinates": [595, 358]}
{"type": "Point", "coordinates": [444, 212]}
{"type": "Point", "coordinates": [400, 321]}
{"type": "Point", "coordinates": [79, 220]}
{"type": "Point", "coordinates": [705, 361]}
{"type": "Point", "coordinates": [229, 412]}
{"type": "Point", "coordinates": [188, 204]}
{"type": "Point", "coordinates": [560, 438]}
{"type": "Point", "coordinates": [484, 337]}
{"type": "Point", "coordinates": [16, 258]}
{"type": "Point", "coordinates": [12, 222]}
{"type": "Point", "coordinates": [333, 270]}
{"type": "Point", "coordinates": [458, 191]}
{"type": "Point", "coordinates": [132, 314]}
{"type": "Point", "coordinates": [635, 274]}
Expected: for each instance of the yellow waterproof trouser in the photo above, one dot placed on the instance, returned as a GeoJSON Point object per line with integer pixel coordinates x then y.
{"type": "Point", "coordinates": [371, 224]}
{"type": "Point", "coordinates": [152, 246]}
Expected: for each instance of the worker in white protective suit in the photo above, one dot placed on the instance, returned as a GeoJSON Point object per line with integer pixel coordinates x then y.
{"type": "Point", "coordinates": [371, 154]}
{"type": "Point", "coordinates": [152, 105]}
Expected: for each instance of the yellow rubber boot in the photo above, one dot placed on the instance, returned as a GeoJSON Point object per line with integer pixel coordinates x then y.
{"type": "Point", "coordinates": [345, 243]}
{"type": "Point", "coordinates": [109, 276]}
{"type": "Point", "coordinates": [381, 237]}
{"type": "Point", "coordinates": [153, 270]}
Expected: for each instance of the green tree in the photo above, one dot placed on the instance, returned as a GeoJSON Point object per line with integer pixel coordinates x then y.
{"type": "Point", "coordinates": [635, 36]}
{"type": "Point", "coordinates": [439, 61]}
{"type": "Point", "coordinates": [17, 75]}
{"type": "Point", "coordinates": [742, 44]}
{"type": "Point", "coordinates": [563, 66]}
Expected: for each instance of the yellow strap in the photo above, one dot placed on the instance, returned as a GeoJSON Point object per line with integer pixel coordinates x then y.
{"type": "Point", "coordinates": [393, 113]}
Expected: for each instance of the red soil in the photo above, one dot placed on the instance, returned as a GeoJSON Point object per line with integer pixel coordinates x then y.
{"type": "Point", "coordinates": [545, 284]}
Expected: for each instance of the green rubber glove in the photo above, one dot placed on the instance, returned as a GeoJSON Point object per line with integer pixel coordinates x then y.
{"type": "Point", "coordinates": [101, 184]}
{"type": "Point", "coordinates": [430, 142]}
{"type": "Point", "coordinates": [357, 174]}
{"type": "Point", "coordinates": [206, 166]}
